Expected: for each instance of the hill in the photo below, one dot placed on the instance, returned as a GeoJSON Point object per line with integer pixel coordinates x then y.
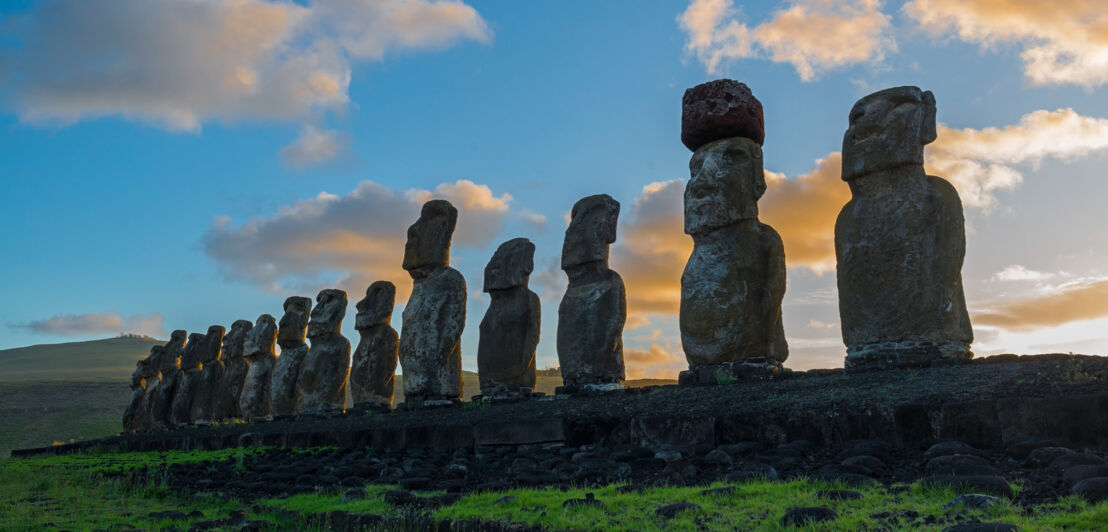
{"type": "Point", "coordinates": [112, 358]}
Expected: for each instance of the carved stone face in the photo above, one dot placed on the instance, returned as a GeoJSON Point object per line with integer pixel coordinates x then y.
{"type": "Point", "coordinates": [592, 228]}
{"type": "Point", "coordinates": [213, 343]}
{"type": "Point", "coordinates": [376, 307]}
{"type": "Point", "coordinates": [511, 265]}
{"type": "Point", "coordinates": [727, 180]}
{"type": "Point", "coordinates": [293, 322]}
{"type": "Point", "coordinates": [888, 129]}
{"type": "Point", "coordinates": [190, 354]}
{"type": "Point", "coordinates": [330, 308]}
{"type": "Point", "coordinates": [233, 340]}
{"type": "Point", "coordinates": [429, 238]}
{"type": "Point", "coordinates": [260, 338]}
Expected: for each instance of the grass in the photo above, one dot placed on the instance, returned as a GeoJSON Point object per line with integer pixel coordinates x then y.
{"type": "Point", "coordinates": [110, 358]}
{"type": "Point", "coordinates": [87, 491]}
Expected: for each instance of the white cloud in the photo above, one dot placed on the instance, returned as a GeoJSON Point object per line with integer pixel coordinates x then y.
{"type": "Point", "coordinates": [315, 147]}
{"type": "Point", "coordinates": [1017, 272]}
{"type": "Point", "coordinates": [107, 322]}
{"type": "Point", "coordinates": [811, 35]}
{"type": "Point", "coordinates": [816, 324]}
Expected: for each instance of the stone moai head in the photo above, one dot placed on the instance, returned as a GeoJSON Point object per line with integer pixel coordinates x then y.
{"type": "Point", "coordinates": [172, 350]}
{"type": "Point", "coordinates": [592, 228]}
{"type": "Point", "coordinates": [720, 109]}
{"type": "Point", "coordinates": [153, 361]}
{"type": "Point", "coordinates": [294, 322]}
{"type": "Point", "coordinates": [376, 307]}
{"type": "Point", "coordinates": [233, 340]}
{"type": "Point", "coordinates": [511, 265]}
{"type": "Point", "coordinates": [190, 354]}
{"type": "Point", "coordinates": [726, 181]}
{"type": "Point", "coordinates": [888, 129]}
{"type": "Point", "coordinates": [429, 238]}
{"type": "Point", "coordinates": [261, 337]}
{"type": "Point", "coordinates": [330, 308]}
{"type": "Point", "coordinates": [212, 347]}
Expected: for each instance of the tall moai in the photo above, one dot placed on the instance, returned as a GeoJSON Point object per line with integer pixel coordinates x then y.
{"type": "Point", "coordinates": [594, 308]}
{"type": "Point", "coordinates": [284, 398]}
{"type": "Point", "coordinates": [211, 376]}
{"type": "Point", "coordinates": [900, 240]}
{"type": "Point", "coordinates": [322, 382]}
{"type": "Point", "coordinates": [510, 328]}
{"type": "Point", "coordinates": [225, 403]}
{"type": "Point", "coordinates": [133, 415]}
{"type": "Point", "coordinates": [258, 348]}
{"type": "Point", "coordinates": [433, 320]}
{"type": "Point", "coordinates": [169, 368]}
{"type": "Point", "coordinates": [734, 281]}
{"type": "Point", "coordinates": [373, 373]}
{"type": "Point", "coordinates": [181, 409]}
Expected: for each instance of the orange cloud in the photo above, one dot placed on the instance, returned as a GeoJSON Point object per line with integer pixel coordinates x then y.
{"type": "Point", "coordinates": [803, 210]}
{"type": "Point", "coordinates": [656, 362]}
{"type": "Point", "coordinates": [811, 35]}
{"type": "Point", "coordinates": [1063, 42]}
{"type": "Point", "coordinates": [1078, 301]}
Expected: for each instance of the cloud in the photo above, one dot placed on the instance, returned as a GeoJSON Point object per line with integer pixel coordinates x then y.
{"type": "Point", "coordinates": [816, 324]}
{"type": "Point", "coordinates": [107, 322]}
{"type": "Point", "coordinates": [1062, 43]}
{"type": "Point", "coordinates": [811, 35]}
{"type": "Point", "coordinates": [656, 362]}
{"type": "Point", "coordinates": [315, 147]}
{"type": "Point", "coordinates": [652, 249]}
{"type": "Point", "coordinates": [803, 210]}
{"type": "Point", "coordinates": [1077, 301]}
{"type": "Point", "coordinates": [1016, 272]}
{"type": "Point", "coordinates": [346, 241]}
{"type": "Point", "coordinates": [177, 64]}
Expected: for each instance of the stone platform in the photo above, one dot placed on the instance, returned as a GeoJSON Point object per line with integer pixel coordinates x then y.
{"type": "Point", "coordinates": [1063, 398]}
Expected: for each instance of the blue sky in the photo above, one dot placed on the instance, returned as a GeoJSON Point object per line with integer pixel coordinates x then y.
{"type": "Point", "coordinates": [172, 165]}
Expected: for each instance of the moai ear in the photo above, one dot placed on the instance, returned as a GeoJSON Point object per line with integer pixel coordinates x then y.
{"type": "Point", "coordinates": [927, 131]}
{"type": "Point", "coordinates": [759, 175]}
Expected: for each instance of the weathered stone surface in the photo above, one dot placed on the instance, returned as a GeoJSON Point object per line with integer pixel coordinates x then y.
{"type": "Point", "coordinates": [430, 336]}
{"type": "Point", "coordinates": [734, 282]}
{"type": "Point", "coordinates": [225, 404]}
{"type": "Point", "coordinates": [168, 364]}
{"type": "Point", "coordinates": [212, 369]}
{"type": "Point", "coordinates": [258, 348]}
{"type": "Point", "coordinates": [322, 382]}
{"type": "Point", "coordinates": [133, 416]}
{"type": "Point", "coordinates": [373, 374]}
{"type": "Point", "coordinates": [510, 328]}
{"type": "Point", "coordinates": [594, 307]}
{"type": "Point", "coordinates": [181, 408]}
{"type": "Point", "coordinates": [900, 241]}
{"type": "Point", "coordinates": [284, 398]}
{"type": "Point", "coordinates": [720, 109]}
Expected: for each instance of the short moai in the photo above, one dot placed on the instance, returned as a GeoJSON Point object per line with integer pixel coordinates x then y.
{"type": "Point", "coordinates": [191, 375]}
{"type": "Point", "coordinates": [594, 308]}
{"type": "Point", "coordinates": [169, 368]}
{"type": "Point", "coordinates": [373, 374]}
{"type": "Point", "coordinates": [133, 415]}
{"type": "Point", "coordinates": [510, 328]}
{"type": "Point", "coordinates": [322, 382]}
{"type": "Point", "coordinates": [258, 349]}
{"type": "Point", "coordinates": [225, 403]}
{"type": "Point", "coordinates": [900, 240]}
{"type": "Point", "coordinates": [734, 281]}
{"type": "Point", "coordinates": [431, 332]}
{"type": "Point", "coordinates": [211, 376]}
{"type": "Point", "coordinates": [284, 398]}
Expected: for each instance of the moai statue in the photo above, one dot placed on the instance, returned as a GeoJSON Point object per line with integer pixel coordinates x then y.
{"type": "Point", "coordinates": [147, 416]}
{"type": "Point", "coordinates": [734, 281]}
{"type": "Point", "coordinates": [211, 376]}
{"type": "Point", "coordinates": [594, 308]}
{"type": "Point", "coordinates": [510, 328]}
{"type": "Point", "coordinates": [431, 332]}
{"type": "Point", "coordinates": [373, 374]}
{"type": "Point", "coordinates": [899, 241]}
{"type": "Point", "coordinates": [322, 381]}
{"type": "Point", "coordinates": [181, 409]}
{"type": "Point", "coordinates": [258, 349]}
{"type": "Point", "coordinates": [133, 415]}
{"type": "Point", "coordinates": [225, 402]}
{"type": "Point", "coordinates": [284, 398]}
{"type": "Point", "coordinates": [169, 366]}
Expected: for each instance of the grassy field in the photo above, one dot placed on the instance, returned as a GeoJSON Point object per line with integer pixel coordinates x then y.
{"type": "Point", "coordinates": [71, 492]}
{"type": "Point", "coordinates": [112, 358]}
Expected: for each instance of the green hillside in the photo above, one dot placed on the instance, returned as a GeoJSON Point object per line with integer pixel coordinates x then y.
{"type": "Point", "coordinates": [112, 358]}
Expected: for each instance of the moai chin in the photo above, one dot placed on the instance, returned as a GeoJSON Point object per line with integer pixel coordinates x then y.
{"type": "Point", "coordinates": [322, 382]}
{"type": "Point", "coordinates": [258, 349]}
{"type": "Point", "coordinates": [373, 373]}
{"type": "Point", "coordinates": [734, 281]}
{"type": "Point", "coordinates": [431, 331]}
{"type": "Point", "coordinates": [169, 368]}
{"type": "Point", "coordinates": [225, 404]}
{"type": "Point", "coordinates": [207, 390]}
{"type": "Point", "coordinates": [284, 397]}
{"type": "Point", "coordinates": [510, 328]}
{"type": "Point", "coordinates": [900, 240]}
{"type": "Point", "coordinates": [594, 308]}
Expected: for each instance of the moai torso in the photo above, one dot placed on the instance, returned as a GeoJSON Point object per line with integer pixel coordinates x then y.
{"type": "Point", "coordinates": [322, 382]}
{"type": "Point", "coordinates": [258, 348]}
{"type": "Point", "coordinates": [211, 376]}
{"type": "Point", "coordinates": [373, 373]}
{"type": "Point", "coordinates": [900, 241]}
{"type": "Point", "coordinates": [593, 310]}
{"type": "Point", "coordinates": [235, 367]}
{"type": "Point", "coordinates": [510, 328]}
{"type": "Point", "coordinates": [284, 397]}
{"type": "Point", "coordinates": [434, 317]}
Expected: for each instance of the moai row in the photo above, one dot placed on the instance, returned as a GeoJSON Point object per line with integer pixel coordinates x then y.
{"type": "Point", "coordinates": [734, 281]}
{"type": "Point", "coordinates": [168, 364]}
{"type": "Point", "coordinates": [900, 240]}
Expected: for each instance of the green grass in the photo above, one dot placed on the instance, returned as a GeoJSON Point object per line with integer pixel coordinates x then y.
{"type": "Point", "coordinates": [110, 358]}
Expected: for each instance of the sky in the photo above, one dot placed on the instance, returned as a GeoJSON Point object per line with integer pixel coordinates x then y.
{"type": "Point", "coordinates": [172, 164]}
